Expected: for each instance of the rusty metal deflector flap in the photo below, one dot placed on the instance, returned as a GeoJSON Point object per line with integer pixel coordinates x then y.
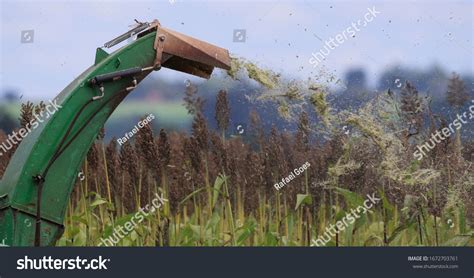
{"type": "Point", "coordinates": [192, 55]}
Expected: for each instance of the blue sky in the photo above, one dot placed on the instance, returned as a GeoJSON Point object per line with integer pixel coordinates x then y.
{"type": "Point", "coordinates": [281, 35]}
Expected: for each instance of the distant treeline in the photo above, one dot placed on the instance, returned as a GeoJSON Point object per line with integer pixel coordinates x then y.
{"type": "Point", "coordinates": [353, 93]}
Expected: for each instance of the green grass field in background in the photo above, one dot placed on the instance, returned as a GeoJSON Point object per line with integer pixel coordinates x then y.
{"type": "Point", "coordinates": [171, 115]}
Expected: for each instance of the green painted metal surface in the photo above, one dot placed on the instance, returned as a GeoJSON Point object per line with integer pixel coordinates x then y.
{"type": "Point", "coordinates": [18, 190]}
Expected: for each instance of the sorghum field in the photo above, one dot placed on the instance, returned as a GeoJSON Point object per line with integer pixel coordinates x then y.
{"type": "Point", "coordinates": [220, 188]}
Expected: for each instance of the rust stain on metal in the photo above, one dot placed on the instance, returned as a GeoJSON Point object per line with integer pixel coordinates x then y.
{"type": "Point", "coordinates": [191, 55]}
